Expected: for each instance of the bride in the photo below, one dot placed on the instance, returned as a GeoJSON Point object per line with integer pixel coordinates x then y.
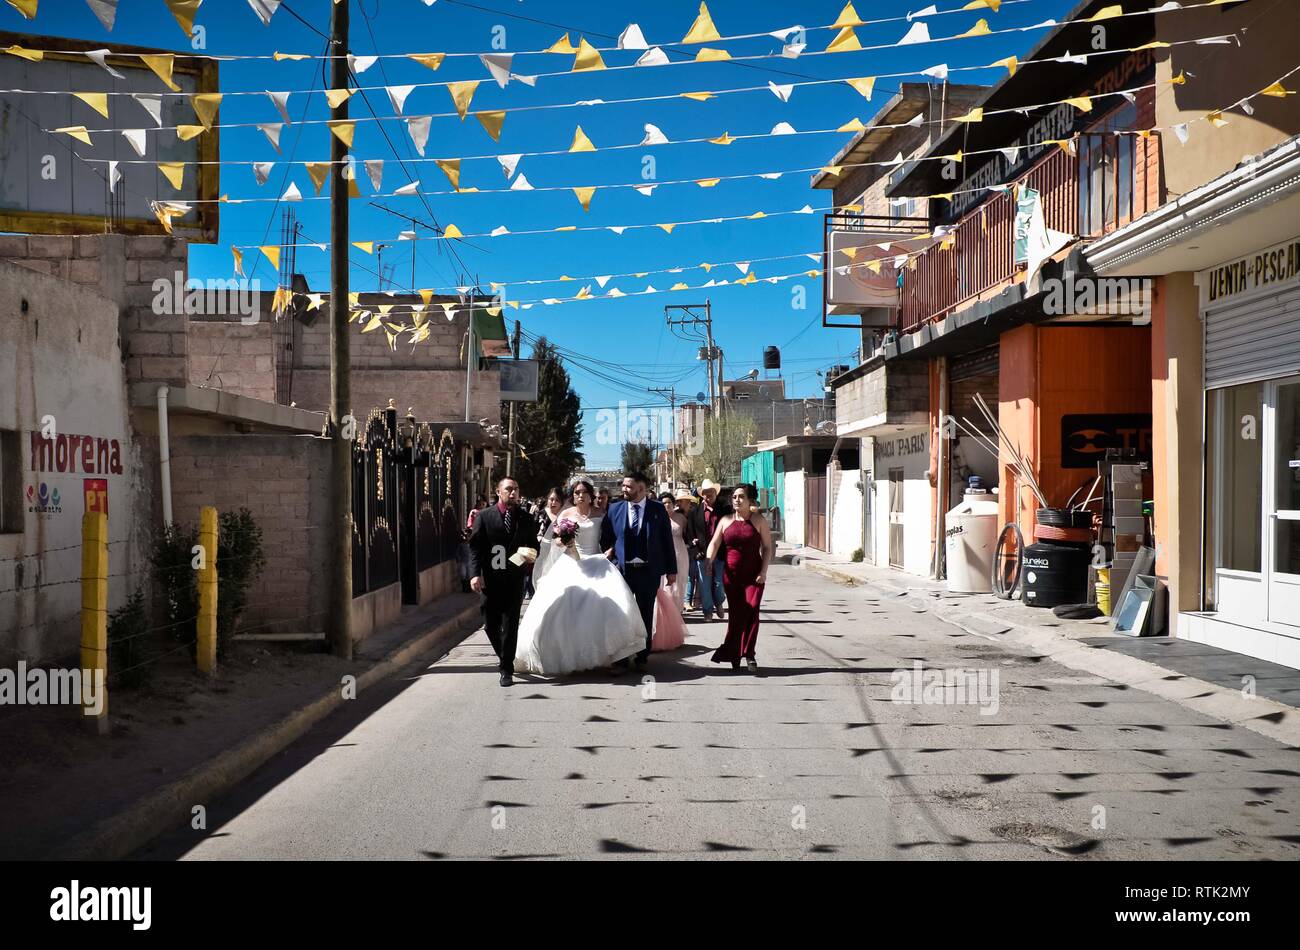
{"type": "Point", "coordinates": [583, 615]}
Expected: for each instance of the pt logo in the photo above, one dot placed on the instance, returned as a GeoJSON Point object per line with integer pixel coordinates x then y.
{"type": "Point", "coordinates": [44, 499]}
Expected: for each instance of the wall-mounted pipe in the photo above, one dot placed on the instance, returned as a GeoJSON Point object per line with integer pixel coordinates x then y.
{"type": "Point", "coordinates": [164, 456]}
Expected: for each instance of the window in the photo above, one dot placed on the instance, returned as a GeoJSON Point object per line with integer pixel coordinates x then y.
{"type": "Point", "coordinates": [1234, 481]}
{"type": "Point", "coordinates": [11, 483]}
{"type": "Point", "coordinates": [1106, 170]}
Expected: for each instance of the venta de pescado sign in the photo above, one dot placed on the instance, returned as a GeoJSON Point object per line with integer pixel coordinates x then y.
{"type": "Point", "coordinates": [1270, 267]}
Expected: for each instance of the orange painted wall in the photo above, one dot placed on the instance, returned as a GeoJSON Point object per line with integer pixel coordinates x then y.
{"type": "Point", "coordinates": [1049, 372]}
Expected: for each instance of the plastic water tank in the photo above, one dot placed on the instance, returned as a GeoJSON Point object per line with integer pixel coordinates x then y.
{"type": "Point", "coordinates": [971, 536]}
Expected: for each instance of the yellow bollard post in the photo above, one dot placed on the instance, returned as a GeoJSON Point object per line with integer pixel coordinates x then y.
{"type": "Point", "coordinates": [94, 614]}
{"type": "Point", "coordinates": [207, 622]}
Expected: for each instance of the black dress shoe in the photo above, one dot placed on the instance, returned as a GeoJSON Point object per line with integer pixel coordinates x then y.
{"type": "Point", "coordinates": [506, 679]}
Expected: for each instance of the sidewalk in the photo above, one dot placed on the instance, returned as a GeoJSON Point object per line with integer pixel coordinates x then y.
{"type": "Point", "coordinates": [1201, 677]}
{"type": "Point", "coordinates": [183, 740]}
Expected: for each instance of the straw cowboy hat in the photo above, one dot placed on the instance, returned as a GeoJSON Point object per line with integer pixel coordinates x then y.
{"type": "Point", "coordinates": [683, 495]}
{"type": "Point", "coordinates": [707, 484]}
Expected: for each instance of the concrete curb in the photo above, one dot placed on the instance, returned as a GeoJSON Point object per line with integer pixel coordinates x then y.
{"type": "Point", "coordinates": [1210, 699]}
{"type": "Point", "coordinates": [166, 808]}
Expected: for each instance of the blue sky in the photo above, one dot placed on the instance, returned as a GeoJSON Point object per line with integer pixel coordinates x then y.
{"type": "Point", "coordinates": [628, 334]}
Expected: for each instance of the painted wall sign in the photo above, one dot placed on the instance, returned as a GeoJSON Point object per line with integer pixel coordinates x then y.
{"type": "Point", "coordinates": [44, 499]}
{"type": "Point", "coordinates": [1086, 437]}
{"type": "Point", "coordinates": [1270, 267]}
{"type": "Point", "coordinates": [907, 445]}
{"type": "Point", "coordinates": [76, 453]}
{"type": "Point", "coordinates": [95, 491]}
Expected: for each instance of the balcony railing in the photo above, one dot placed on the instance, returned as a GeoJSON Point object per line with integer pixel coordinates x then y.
{"type": "Point", "coordinates": [1093, 192]}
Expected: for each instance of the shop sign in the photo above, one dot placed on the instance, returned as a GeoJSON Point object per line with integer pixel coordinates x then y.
{"type": "Point", "coordinates": [904, 445]}
{"type": "Point", "coordinates": [95, 491]}
{"type": "Point", "coordinates": [1270, 267]}
{"type": "Point", "coordinates": [1086, 437]}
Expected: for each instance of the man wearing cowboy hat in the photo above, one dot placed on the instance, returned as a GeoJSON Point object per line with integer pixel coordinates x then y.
{"type": "Point", "coordinates": [702, 522]}
{"type": "Point", "coordinates": [685, 503]}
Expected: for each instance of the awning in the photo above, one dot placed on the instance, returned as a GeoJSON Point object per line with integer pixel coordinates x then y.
{"type": "Point", "coordinates": [490, 332]}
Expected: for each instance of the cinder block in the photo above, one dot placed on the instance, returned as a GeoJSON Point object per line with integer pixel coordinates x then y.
{"type": "Point", "coordinates": [49, 245]}
{"type": "Point", "coordinates": [90, 245]}
{"type": "Point", "coordinates": [13, 246]}
{"type": "Point", "coordinates": [84, 272]}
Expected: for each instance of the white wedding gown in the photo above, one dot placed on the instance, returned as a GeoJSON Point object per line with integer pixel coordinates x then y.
{"type": "Point", "coordinates": [582, 615]}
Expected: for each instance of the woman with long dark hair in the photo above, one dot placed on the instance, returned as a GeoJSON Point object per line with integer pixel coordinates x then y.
{"type": "Point", "coordinates": [744, 540]}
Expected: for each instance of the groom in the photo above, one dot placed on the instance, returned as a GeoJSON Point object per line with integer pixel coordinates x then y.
{"type": "Point", "coordinates": [636, 534]}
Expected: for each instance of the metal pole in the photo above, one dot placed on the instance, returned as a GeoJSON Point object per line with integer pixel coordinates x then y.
{"type": "Point", "coordinates": [510, 457]}
{"type": "Point", "coordinates": [469, 356]}
{"type": "Point", "coordinates": [339, 618]}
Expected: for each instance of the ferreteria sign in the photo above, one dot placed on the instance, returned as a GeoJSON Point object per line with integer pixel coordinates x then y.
{"type": "Point", "coordinates": [1271, 267]}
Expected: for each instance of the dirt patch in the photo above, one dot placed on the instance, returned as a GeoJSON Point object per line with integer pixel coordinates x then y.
{"type": "Point", "coordinates": [1048, 837]}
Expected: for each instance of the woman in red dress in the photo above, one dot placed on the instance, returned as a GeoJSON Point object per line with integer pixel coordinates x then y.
{"type": "Point", "coordinates": [746, 539]}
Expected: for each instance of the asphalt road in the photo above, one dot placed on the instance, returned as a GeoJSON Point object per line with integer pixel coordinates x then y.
{"type": "Point", "coordinates": [813, 758]}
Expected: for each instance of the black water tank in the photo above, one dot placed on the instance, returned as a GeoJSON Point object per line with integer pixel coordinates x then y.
{"type": "Point", "coordinates": [1055, 574]}
{"type": "Point", "coordinates": [771, 358]}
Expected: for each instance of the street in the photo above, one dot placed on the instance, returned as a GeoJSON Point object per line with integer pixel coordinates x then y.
{"type": "Point", "coordinates": [810, 759]}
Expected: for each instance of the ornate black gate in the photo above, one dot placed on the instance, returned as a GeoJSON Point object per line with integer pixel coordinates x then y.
{"type": "Point", "coordinates": [374, 504]}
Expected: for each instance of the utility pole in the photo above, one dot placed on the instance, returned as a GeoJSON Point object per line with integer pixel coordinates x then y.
{"type": "Point", "coordinates": [341, 423]}
{"type": "Point", "coordinates": [671, 393]}
{"type": "Point", "coordinates": [690, 317]}
{"type": "Point", "coordinates": [469, 355]}
{"type": "Point", "coordinates": [510, 457]}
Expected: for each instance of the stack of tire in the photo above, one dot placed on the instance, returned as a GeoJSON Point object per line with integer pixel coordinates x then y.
{"type": "Point", "coordinates": [1055, 568]}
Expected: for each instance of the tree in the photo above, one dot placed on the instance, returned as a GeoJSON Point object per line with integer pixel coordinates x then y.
{"type": "Point", "coordinates": [722, 444]}
{"type": "Point", "coordinates": [548, 433]}
{"type": "Point", "coordinates": [638, 457]}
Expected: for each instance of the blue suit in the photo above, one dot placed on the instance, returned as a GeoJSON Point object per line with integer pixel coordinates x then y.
{"type": "Point", "coordinates": [653, 544]}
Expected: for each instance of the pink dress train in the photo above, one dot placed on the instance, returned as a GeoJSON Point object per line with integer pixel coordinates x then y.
{"type": "Point", "coordinates": [670, 629]}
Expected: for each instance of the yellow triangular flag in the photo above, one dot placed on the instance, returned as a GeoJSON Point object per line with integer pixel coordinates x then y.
{"type": "Point", "coordinates": [367, 246]}
{"type": "Point", "coordinates": [319, 172]}
{"type": "Point", "coordinates": [580, 142]}
{"type": "Point", "coordinates": [724, 139]}
{"type": "Point", "coordinates": [272, 252]}
{"type": "Point", "coordinates": [668, 228]}
{"type": "Point", "coordinates": [374, 324]}
{"type": "Point", "coordinates": [708, 54]}
{"type": "Point", "coordinates": [1154, 44]}
{"type": "Point", "coordinates": [432, 60]}
{"type": "Point", "coordinates": [679, 286]}
{"type": "Point", "coordinates": [584, 196]}
{"type": "Point", "coordinates": [492, 122]}
{"type": "Point", "coordinates": [873, 266]}
{"type": "Point", "coordinates": [833, 170]}
{"type": "Point", "coordinates": [451, 168]}
{"type": "Point", "coordinates": [866, 85]}
{"type": "Point", "coordinates": [344, 130]}
{"type": "Point", "coordinates": [34, 55]}
{"type": "Point", "coordinates": [1010, 63]}
{"type": "Point", "coordinates": [78, 132]}
{"type": "Point", "coordinates": [707, 182]}
{"type": "Point", "coordinates": [588, 58]}
{"type": "Point", "coordinates": [187, 132]}
{"type": "Point", "coordinates": [184, 11]}
{"type": "Point", "coordinates": [336, 97]}
{"type": "Point", "coordinates": [1216, 119]}
{"type": "Point", "coordinates": [205, 107]}
{"type": "Point", "coordinates": [461, 94]}
{"type": "Point", "coordinates": [848, 17]}
{"type": "Point", "coordinates": [975, 115]}
{"type": "Point", "coordinates": [161, 64]}
{"type": "Point", "coordinates": [96, 100]}
{"type": "Point", "coordinates": [706, 267]}
{"type": "Point", "coordinates": [757, 214]}
{"type": "Point", "coordinates": [1106, 13]}
{"type": "Point", "coordinates": [977, 4]}
{"type": "Point", "coordinates": [850, 252]}
{"type": "Point", "coordinates": [1277, 90]}
{"type": "Point", "coordinates": [697, 96]}
{"type": "Point", "coordinates": [281, 57]}
{"type": "Point", "coordinates": [853, 125]}
{"type": "Point", "coordinates": [562, 45]}
{"type": "Point", "coordinates": [845, 41]}
{"type": "Point", "coordinates": [1179, 80]}
{"type": "Point", "coordinates": [568, 227]}
{"type": "Point", "coordinates": [981, 28]}
{"type": "Point", "coordinates": [1082, 103]}
{"type": "Point", "coordinates": [451, 231]}
{"type": "Point", "coordinates": [354, 190]}
{"type": "Point", "coordinates": [238, 255]}
{"type": "Point", "coordinates": [26, 7]}
{"type": "Point", "coordinates": [702, 30]}
{"type": "Point", "coordinates": [747, 279]}
{"type": "Point", "coordinates": [426, 296]}
{"type": "Point", "coordinates": [174, 171]}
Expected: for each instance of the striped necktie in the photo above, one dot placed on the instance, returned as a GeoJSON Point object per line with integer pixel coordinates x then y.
{"type": "Point", "coordinates": [509, 519]}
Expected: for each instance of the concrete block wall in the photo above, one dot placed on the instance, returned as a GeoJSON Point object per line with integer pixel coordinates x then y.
{"type": "Point", "coordinates": [282, 480]}
{"type": "Point", "coordinates": [899, 389]}
{"type": "Point", "coordinates": [233, 357]}
{"type": "Point", "coordinates": [437, 395]}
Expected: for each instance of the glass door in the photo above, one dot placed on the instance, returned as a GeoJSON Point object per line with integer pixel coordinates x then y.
{"type": "Point", "coordinates": [1283, 540]}
{"type": "Point", "coordinates": [1235, 438]}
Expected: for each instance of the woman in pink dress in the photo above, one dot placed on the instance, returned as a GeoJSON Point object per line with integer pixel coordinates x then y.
{"type": "Point", "coordinates": [746, 540]}
{"type": "Point", "coordinates": [669, 627]}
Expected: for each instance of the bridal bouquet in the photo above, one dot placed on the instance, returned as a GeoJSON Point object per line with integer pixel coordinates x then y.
{"type": "Point", "coordinates": [566, 532]}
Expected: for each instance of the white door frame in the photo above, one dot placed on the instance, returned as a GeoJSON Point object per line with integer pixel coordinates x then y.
{"type": "Point", "coordinates": [1281, 589]}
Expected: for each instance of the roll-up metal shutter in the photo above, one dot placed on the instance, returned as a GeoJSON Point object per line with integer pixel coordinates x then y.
{"type": "Point", "coordinates": [1253, 340]}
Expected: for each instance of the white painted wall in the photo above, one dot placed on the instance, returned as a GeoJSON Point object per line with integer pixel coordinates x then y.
{"type": "Point", "coordinates": [908, 450]}
{"type": "Point", "coordinates": [846, 511]}
{"type": "Point", "coordinates": [794, 507]}
{"type": "Point", "coordinates": [60, 358]}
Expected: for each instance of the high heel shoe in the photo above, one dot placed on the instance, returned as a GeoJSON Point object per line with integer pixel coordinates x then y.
{"type": "Point", "coordinates": [752, 664]}
{"type": "Point", "coordinates": [735, 664]}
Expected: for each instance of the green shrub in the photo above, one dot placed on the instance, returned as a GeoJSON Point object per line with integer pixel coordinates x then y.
{"type": "Point", "coordinates": [858, 555]}
{"type": "Point", "coordinates": [128, 649]}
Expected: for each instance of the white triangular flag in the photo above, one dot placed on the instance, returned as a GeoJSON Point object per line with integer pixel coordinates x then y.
{"type": "Point", "coordinates": [521, 183]}
{"type": "Point", "coordinates": [770, 175]}
{"type": "Point", "coordinates": [782, 35]}
{"type": "Point", "coordinates": [653, 136]}
{"type": "Point", "coordinates": [782, 92]}
{"type": "Point", "coordinates": [631, 38]}
{"type": "Point", "coordinates": [509, 163]}
{"type": "Point", "coordinates": [418, 126]}
{"type": "Point", "coordinates": [603, 280]}
{"type": "Point", "coordinates": [646, 190]}
{"type": "Point", "coordinates": [114, 176]}
{"type": "Point", "coordinates": [406, 236]}
{"type": "Point", "coordinates": [742, 266]}
{"type": "Point", "coordinates": [152, 104]}
{"type": "Point", "coordinates": [919, 33]}
{"type": "Point", "coordinates": [97, 56]}
{"type": "Point", "coordinates": [499, 230]}
{"type": "Point", "coordinates": [359, 64]}
{"type": "Point", "coordinates": [410, 188]}
{"type": "Point", "coordinates": [1180, 130]}
{"type": "Point", "coordinates": [375, 169]}
{"type": "Point", "coordinates": [806, 209]}
{"type": "Point", "coordinates": [1010, 154]}
{"type": "Point", "coordinates": [928, 11]}
{"type": "Point", "coordinates": [783, 128]}
{"type": "Point", "coordinates": [291, 193]}
{"type": "Point", "coordinates": [262, 171]}
{"type": "Point", "coordinates": [650, 289]}
{"type": "Point", "coordinates": [272, 132]}
{"type": "Point", "coordinates": [614, 292]}
{"type": "Point", "coordinates": [526, 80]}
{"type": "Point", "coordinates": [1070, 58]}
{"type": "Point", "coordinates": [281, 100]}
{"type": "Point", "coordinates": [397, 96]}
{"type": "Point", "coordinates": [498, 64]}
{"type": "Point", "coordinates": [106, 10]}
{"type": "Point", "coordinates": [792, 50]}
{"type": "Point", "coordinates": [1246, 107]}
{"type": "Point", "coordinates": [618, 228]}
{"type": "Point", "coordinates": [136, 138]}
{"type": "Point", "coordinates": [653, 57]}
{"type": "Point", "coordinates": [938, 72]}
{"type": "Point", "coordinates": [1129, 97]}
{"type": "Point", "coordinates": [265, 9]}
{"type": "Point", "coordinates": [916, 120]}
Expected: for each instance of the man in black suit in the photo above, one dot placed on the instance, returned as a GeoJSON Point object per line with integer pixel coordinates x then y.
{"type": "Point", "coordinates": [500, 531]}
{"type": "Point", "coordinates": [636, 534]}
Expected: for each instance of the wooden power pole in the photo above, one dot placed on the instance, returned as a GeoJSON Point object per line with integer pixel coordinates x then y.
{"type": "Point", "coordinates": [510, 458]}
{"type": "Point", "coordinates": [342, 427]}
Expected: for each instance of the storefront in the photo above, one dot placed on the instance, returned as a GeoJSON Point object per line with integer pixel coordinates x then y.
{"type": "Point", "coordinates": [903, 498]}
{"type": "Point", "coordinates": [1250, 309]}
